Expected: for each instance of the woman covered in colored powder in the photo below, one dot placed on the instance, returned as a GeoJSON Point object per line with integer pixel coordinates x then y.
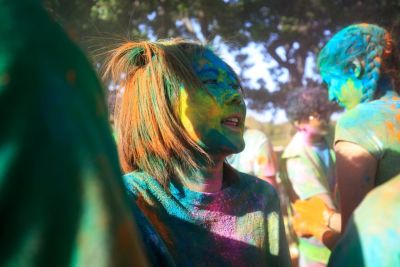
{"type": "Point", "coordinates": [180, 115]}
{"type": "Point", "coordinates": [309, 162]}
{"type": "Point", "coordinates": [360, 65]}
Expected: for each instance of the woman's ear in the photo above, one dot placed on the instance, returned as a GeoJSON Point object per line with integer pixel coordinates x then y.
{"type": "Point", "coordinates": [357, 68]}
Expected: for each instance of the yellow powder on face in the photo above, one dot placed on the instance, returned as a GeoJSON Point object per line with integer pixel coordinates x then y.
{"type": "Point", "coordinates": [186, 122]}
{"type": "Point", "coordinates": [350, 95]}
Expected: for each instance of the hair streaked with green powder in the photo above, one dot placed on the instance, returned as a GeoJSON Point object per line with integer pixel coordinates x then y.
{"type": "Point", "coordinates": [370, 44]}
{"type": "Point", "coordinates": [150, 135]}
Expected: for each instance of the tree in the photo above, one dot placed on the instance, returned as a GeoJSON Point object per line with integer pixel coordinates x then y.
{"type": "Point", "coordinates": [291, 32]}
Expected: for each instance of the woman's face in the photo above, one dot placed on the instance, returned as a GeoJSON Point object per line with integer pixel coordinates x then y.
{"type": "Point", "coordinates": [214, 119]}
{"type": "Point", "coordinates": [343, 88]}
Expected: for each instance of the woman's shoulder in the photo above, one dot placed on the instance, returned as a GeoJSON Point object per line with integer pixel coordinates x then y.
{"type": "Point", "coordinates": [357, 115]}
{"type": "Point", "coordinates": [135, 178]}
{"type": "Point", "coordinates": [369, 114]}
{"type": "Point", "coordinates": [137, 182]}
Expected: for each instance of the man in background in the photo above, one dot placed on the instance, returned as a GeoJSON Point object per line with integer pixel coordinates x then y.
{"type": "Point", "coordinates": [309, 162]}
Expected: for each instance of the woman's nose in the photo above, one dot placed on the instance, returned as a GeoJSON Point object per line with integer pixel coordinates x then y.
{"type": "Point", "coordinates": [234, 98]}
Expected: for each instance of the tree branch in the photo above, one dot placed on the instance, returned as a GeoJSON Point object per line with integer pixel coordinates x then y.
{"type": "Point", "coordinates": [188, 25]}
{"type": "Point", "coordinates": [272, 51]}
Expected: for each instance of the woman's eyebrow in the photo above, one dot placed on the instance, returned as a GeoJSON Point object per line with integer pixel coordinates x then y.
{"type": "Point", "coordinates": [211, 71]}
{"type": "Point", "coordinates": [232, 76]}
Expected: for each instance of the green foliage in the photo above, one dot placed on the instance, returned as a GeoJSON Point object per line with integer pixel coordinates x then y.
{"type": "Point", "coordinates": [106, 10]}
{"type": "Point", "coordinates": [298, 27]}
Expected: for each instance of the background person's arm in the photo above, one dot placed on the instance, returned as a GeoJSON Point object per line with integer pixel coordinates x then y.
{"type": "Point", "coordinates": [315, 214]}
{"type": "Point", "coordinates": [355, 170]}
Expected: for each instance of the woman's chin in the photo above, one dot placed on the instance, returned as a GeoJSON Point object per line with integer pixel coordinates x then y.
{"type": "Point", "coordinates": [226, 150]}
{"type": "Point", "coordinates": [235, 149]}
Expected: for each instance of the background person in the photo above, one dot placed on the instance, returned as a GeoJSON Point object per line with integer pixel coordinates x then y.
{"type": "Point", "coordinates": [309, 161]}
{"type": "Point", "coordinates": [62, 201]}
{"type": "Point", "coordinates": [360, 66]}
{"type": "Point", "coordinates": [372, 235]}
{"type": "Point", "coordinates": [361, 69]}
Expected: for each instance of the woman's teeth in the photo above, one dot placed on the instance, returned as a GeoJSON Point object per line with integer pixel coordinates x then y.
{"type": "Point", "coordinates": [231, 122]}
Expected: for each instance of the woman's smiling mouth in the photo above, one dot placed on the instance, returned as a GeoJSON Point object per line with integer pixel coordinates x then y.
{"type": "Point", "coordinates": [233, 122]}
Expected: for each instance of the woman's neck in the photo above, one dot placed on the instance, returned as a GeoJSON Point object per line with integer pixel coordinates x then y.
{"type": "Point", "coordinates": [385, 88]}
{"type": "Point", "coordinates": [208, 178]}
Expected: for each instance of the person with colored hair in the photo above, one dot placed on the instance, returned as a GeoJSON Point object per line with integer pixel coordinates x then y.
{"type": "Point", "coordinates": [62, 199]}
{"type": "Point", "coordinates": [361, 68]}
{"type": "Point", "coordinates": [180, 114]}
{"type": "Point", "coordinates": [308, 162]}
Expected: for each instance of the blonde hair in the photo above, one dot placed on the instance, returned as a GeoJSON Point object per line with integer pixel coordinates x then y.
{"type": "Point", "coordinates": [150, 136]}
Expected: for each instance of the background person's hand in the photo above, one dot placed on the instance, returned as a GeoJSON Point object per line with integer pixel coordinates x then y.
{"type": "Point", "coordinates": [311, 217]}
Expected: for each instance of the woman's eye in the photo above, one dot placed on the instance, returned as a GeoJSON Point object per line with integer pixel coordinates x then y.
{"type": "Point", "coordinates": [234, 86]}
{"type": "Point", "coordinates": [210, 81]}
